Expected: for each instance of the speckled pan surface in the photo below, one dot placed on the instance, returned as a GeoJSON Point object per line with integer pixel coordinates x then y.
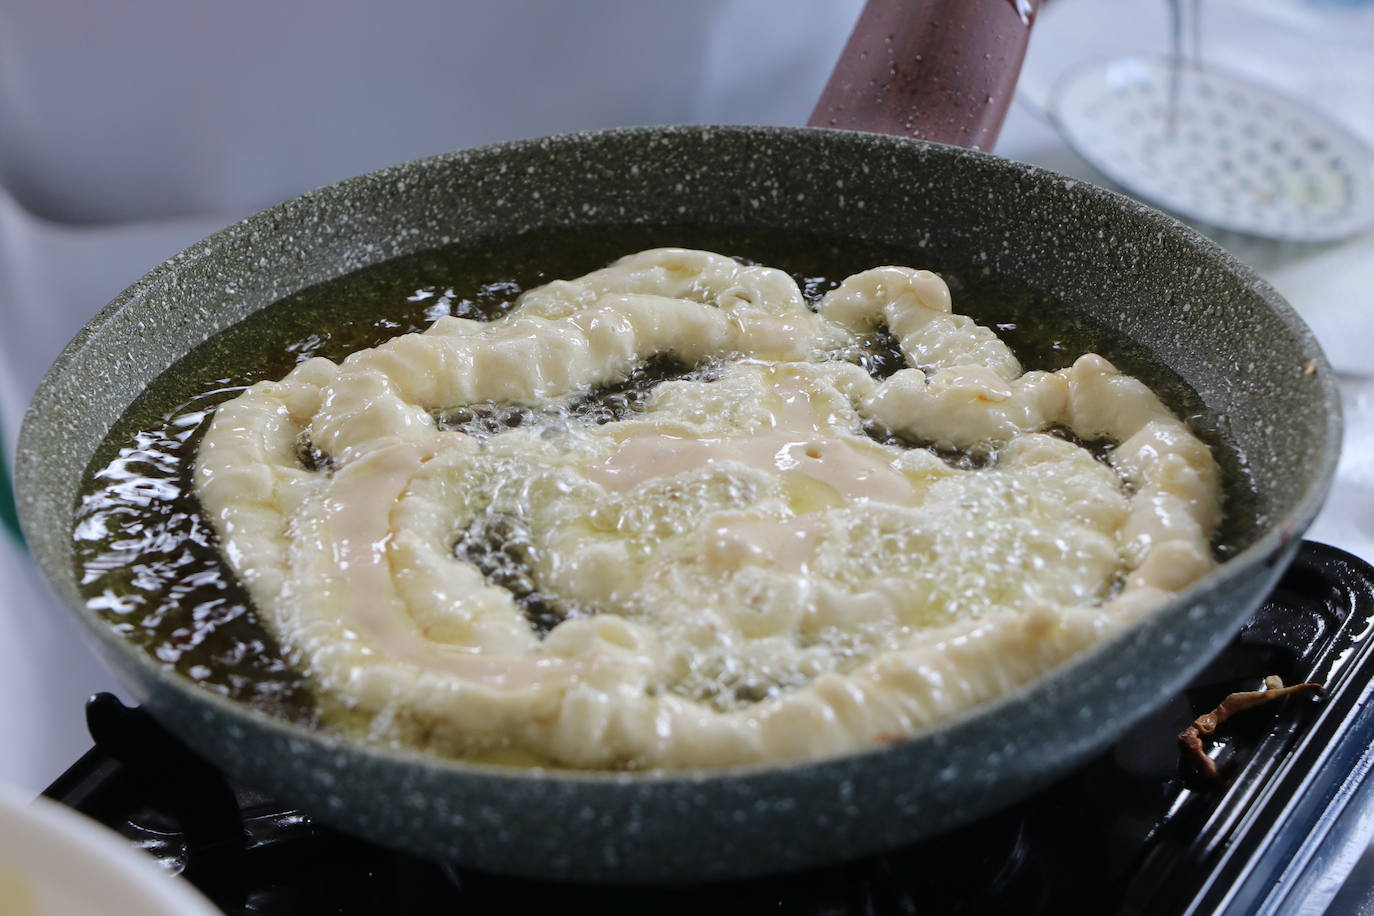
{"type": "Point", "coordinates": [1124, 265]}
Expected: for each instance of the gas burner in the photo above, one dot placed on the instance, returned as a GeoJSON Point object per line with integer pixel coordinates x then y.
{"type": "Point", "coordinates": [1131, 832]}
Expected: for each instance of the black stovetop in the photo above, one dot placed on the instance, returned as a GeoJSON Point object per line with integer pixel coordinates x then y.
{"type": "Point", "coordinates": [1132, 832]}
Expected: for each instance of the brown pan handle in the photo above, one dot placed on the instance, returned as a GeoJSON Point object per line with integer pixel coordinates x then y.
{"type": "Point", "coordinates": [941, 70]}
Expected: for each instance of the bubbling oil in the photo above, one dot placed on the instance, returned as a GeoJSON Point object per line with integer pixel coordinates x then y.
{"type": "Point", "coordinates": [149, 561]}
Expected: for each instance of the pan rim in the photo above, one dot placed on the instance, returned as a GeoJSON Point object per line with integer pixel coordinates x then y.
{"type": "Point", "coordinates": [1281, 535]}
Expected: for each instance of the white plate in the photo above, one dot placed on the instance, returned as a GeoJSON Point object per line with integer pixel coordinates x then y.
{"type": "Point", "coordinates": [1234, 154]}
{"type": "Point", "coordinates": [55, 862]}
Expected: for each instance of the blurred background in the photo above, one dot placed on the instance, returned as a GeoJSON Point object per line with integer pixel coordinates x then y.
{"type": "Point", "coordinates": [128, 131]}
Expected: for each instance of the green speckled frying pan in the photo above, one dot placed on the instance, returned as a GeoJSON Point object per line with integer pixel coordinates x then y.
{"type": "Point", "coordinates": [1124, 266]}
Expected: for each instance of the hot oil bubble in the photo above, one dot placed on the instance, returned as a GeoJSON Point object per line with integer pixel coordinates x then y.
{"type": "Point", "coordinates": [129, 558]}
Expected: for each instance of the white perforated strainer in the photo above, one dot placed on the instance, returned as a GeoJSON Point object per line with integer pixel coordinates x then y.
{"type": "Point", "coordinates": [1217, 149]}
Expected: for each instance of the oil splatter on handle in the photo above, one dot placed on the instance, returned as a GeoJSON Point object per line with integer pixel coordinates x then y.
{"type": "Point", "coordinates": [941, 70]}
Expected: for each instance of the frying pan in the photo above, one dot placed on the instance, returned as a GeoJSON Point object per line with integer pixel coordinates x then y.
{"type": "Point", "coordinates": [1123, 266]}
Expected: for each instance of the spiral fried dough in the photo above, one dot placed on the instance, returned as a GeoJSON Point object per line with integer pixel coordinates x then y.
{"type": "Point", "coordinates": [733, 573]}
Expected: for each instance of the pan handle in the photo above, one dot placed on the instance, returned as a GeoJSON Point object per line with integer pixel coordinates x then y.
{"type": "Point", "coordinates": [941, 70]}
